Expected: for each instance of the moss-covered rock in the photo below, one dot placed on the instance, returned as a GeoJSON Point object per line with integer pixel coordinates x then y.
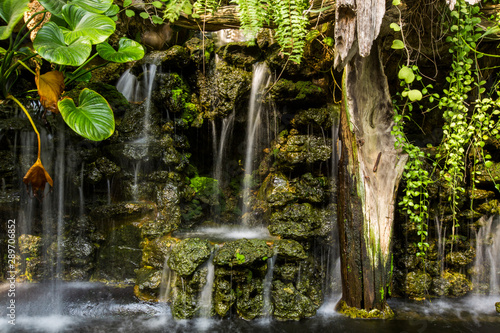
{"type": "Point", "coordinates": [250, 301]}
{"type": "Point", "coordinates": [301, 221]}
{"type": "Point", "coordinates": [417, 284]}
{"type": "Point", "coordinates": [148, 282]}
{"type": "Point", "coordinates": [240, 54]}
{"type": "Point", "coordinates": [243, 252]}
{"type": "Point", "coordinates": [497, 306]}
{"type": "Point", "coordinates": [155, 251]}
{"type": "Point", "coordinates": [286, 272]}
{"type": "Point", "coordinates": [461, 258]}
{"type": "Point", "coordinates": [188, 254]}
{"type": "Point", "coordinates": [297, 94]}
{"type": "Point", "coordinates": [225, 91]}
{"type": "Point", "coordinates": [224, 295]}
{"type": "Point", "coordinates": [289, 303]}
{"type": "Point", "coordinates": [184, 305]}
{"type": "Point", "coordinates": [304, 149]}
{"type": "Point", "coordinates": [30, 245]}
{"type": "Point", "coordinates": [120, 255]}
{"type": "Point", "coordinates": [318, 117]}
{"type": "Point", "coordinates": [199, 50]}
{"type": "Point", "coordinates": [351, 312]}
{"type": "Point", "coordinates": [289, 249]}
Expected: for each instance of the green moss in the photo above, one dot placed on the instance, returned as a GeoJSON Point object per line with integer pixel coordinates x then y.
{"type": "Point", "coordinates": [243, 252]}
{"type": "Point", "coordinates": [188, 254]}
{"type": "Point", "coordinates": [353, 312]}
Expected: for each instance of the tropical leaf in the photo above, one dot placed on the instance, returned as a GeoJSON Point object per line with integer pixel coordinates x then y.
{"type": "Point", "coordinates": [50, 87]}
{"type": "Point", "coordinates": [94, 6]}
{"type": "Point", "coordinates": [97, 28]}
{"type": "Point", "coordinates": [93, 118]}
{"type": "Point", "coordinates": [11, 11]}
{"type": "Point", "coordinates": [128, 50]}
{"type": "Point", "coordinates": [50, 45]}
{"type": "Point", "coordinates": [54, 6]}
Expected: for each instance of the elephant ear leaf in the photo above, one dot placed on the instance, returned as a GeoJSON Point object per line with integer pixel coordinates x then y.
{"type": "Point", "coordinates": [94, 6]}
{"type": "Point", "coordinates": [128, 50]}
{"type": "Point", "coordinates": [11, 11]}
{"type": "Point", "coordinates": [50, 45]}
{"type": "Point", "coordinates": [97, 28]}
{"type": "Point", "coordinates": [93, 118]}
{"type": "Point", "coordinates": [53, 6]}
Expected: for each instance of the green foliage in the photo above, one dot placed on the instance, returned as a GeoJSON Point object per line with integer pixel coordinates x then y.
{"type": "Point", "coordinates": [292, 23]}
{"type": "Point", "coordinates": [128, 50]}
{"type": "Point", "coordinates": [240, 259]}
{"type": "Point", "coordinates": [93, 118]}
{"type": "Point", "coordinates": [470, 120]}
{"type": "Point", "coordinates": [416, 197]}
{"type": "Point", "coordinates": [50, 44]}
{"type": "Point", "coordinates": [458, 131]}
{"type": "Point", "coordinates": [11, 11]}
{"type": "Point", "coordinates": [253, 15]}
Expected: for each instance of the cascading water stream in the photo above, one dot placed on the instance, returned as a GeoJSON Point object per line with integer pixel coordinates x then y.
{"type": "Point", "coordinates": [205, 301]}
{"type": "Point", "coordinates": [268, 282]}
{"type": "Point", "coordinates": [487, 262]}
{"type": "Point", "coordinates": [139, 91]}
{"type": "Point", "coordinates": [260, 80]}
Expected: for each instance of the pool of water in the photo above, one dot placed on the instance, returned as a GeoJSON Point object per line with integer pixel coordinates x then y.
{"type": "Point", "coordinates": [95, 307]}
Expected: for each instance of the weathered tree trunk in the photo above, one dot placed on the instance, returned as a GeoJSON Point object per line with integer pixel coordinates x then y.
{"type": "Point", "coordinates": [369, 172]}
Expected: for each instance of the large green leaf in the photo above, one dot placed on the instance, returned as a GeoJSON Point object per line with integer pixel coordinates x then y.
{"type": "Point", "coordinates": [54, 6]}
{"type": "Point", "coordinates": [93, 118]}
{"type": "Point", "coordinates": [50, 45]}
{"type": "Point", "coordinates": [11, 11]}
{"type": "Point", "coordinates": [128, 50]}
{"type": "Point", "coordinates": [94, 6]}
{"type": "Point", "coordinates": [97, 28]}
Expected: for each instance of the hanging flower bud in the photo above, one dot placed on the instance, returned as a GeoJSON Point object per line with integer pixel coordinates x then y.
{"type": "Point", "coordinates": [37, 176]}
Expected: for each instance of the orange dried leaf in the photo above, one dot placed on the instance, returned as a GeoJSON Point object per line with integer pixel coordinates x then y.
{"type": "Point", "coordinates": [50, 87]}
{"type": "Point", "coordinates": [37, 177]}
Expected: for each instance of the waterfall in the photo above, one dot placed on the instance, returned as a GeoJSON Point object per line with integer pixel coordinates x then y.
{"type": "Point", "coordinates": [205, 301]}
{"type": "Point", "coordinates": [260, 79]}
{"type": "Point", "coordinates": [167, 277]}
{"type": "Point", "coordinates": [139, 90]}
{"type": "Point", "coordinates": [225, 135]}
{"type": "Point", "coordinates": [268, 282]}
{"type": "Point", "coordinates": [441, 244]}
{"type": "Point", "coordinates": [487, 262]}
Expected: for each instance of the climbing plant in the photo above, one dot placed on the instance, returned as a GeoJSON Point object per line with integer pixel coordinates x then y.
{"type": "Point", "coordinates": [470, 115]}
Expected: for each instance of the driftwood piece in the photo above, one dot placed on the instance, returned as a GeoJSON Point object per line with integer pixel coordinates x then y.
{"type": "Point", "coordinates": [369, 172]}
{"type": "Point", "coordinates": [227, 17]}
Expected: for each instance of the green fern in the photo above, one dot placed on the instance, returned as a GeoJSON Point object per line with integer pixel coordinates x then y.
{"type": "Point", "coordinates": [174, 8]}
{"type": "Point", "coordinates": [253, 15]}
{"type": "Point", "coordinates": [202, 7]}
{"type": "Point", "coordinates": [291, 31]}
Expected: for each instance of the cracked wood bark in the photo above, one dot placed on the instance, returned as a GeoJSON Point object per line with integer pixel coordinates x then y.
{"type": "Point", "coordinates": [369, 172]}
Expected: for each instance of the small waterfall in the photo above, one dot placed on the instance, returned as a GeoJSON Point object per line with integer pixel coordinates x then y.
{"type": "Point", "coordinates": [225, 135]}
{"type": "Point", "coordinates": [127, 85]}
{"type": "Point", "coordinates": [441, 243]}
{"type": "Point", "coordinates": [135, 185]}
{"type": "Point", "coordinates": [487, 262]}
{"type": "Point", "coordinates": [268, 282]}
{"type": "Point", "coordinates": [167, 278]}
{"type": "Point", "coordinates": [205, 301]}
{"type": "Point", "coordinates": [139, 90]}
{"type": "Point", "coordinates": [80, 191]}
{"type": "Point", "coordinates": [260, 80]}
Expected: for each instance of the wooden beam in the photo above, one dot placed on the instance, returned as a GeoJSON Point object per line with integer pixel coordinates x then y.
{"type": "Point", "coordinates": [227, 17]}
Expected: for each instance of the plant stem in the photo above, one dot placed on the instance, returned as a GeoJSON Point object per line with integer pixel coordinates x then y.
{"type": "Point", "coordinates": [22, 63]}
{"type": "Point", "coordinates": [30, 119]}
{"type": "Point", "coordinates": [83, 73]}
